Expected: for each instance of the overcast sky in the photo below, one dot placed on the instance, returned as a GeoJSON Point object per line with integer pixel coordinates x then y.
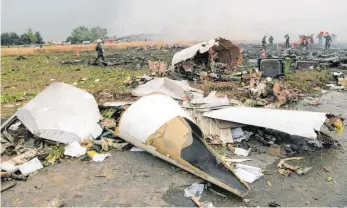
{"type": "Point", "coordinates": [180, 19]}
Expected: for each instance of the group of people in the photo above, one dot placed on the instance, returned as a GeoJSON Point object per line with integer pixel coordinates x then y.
{"type": "Point", "coordinates": [263, 41]}
{"type": "Point", "coordinates": [305, 40]}
{"type": "Point", "coordinates": [271, 41]}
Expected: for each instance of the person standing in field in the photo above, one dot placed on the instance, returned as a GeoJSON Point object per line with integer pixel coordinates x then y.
{"type": "Point", "coordinates": [287, 40]}
{"type": "Point", "coordinates": [99, 51]}
{"type": "Point", "coordinates": [271, 41]}
{"type": "Point", "coordinates": [327, 41]}
{"type": "Point", "coordinates": [263, 42]}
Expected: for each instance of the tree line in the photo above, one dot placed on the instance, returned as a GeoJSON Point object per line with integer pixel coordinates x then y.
{"type": "Point", "coordinates": [78, 35]}
{"type": "Point", "coordinates": [28, 37]}
{"type": "Point", "coordinates": [82, 33]}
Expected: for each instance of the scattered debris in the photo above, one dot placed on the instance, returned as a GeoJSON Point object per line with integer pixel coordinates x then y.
{"type": "Point", "coordinates": [20, 159]}
{"type": "Point", "coordinates": [275, 150]}
{"type": "Point", "coordinates": [303, 171]}
{"type": "Point", "coordinates": [228, 160]}
{"type": "Point", "coordinates": [197, 202]}
{"type": "Point", "coordinates": [108, 143]}
{"type": "Point", "coordinates": [31, 166]}
{"type": "Point", "coordinates": [283, 164]}
{"type": "Point", "coordinates": [96, 157]}
{"type": "Point", "coordinates": [8, 185]}
{"type": "Point", "coordinates": [342, 82]}
{"type": "Point", "coordinates": [176, 89]}
{"type": "Point", "coordinates": [246, 200]}
{"type": "Point", "coordinates": [136, 149]}
{"type": "Point", "coordinates": [75, 150]}
{"type": "Point", "coordinates": [194, 190]}
{"type": "Point", "coordinates": [269, 183]}
{"type": "Point", "coordinates": [286, 169]}
{"type": "Point", "coordinates": [20, 57]}
{"type": "Point", "coordinates": [207, 204]}
{"type": "Point", "coordinates": [242, 152]}
{"type": "Point", "coordinates": [248, 173]}
{"type": "Point", "coordinates": [274, 204]}
{"type": "Point", "coordinates": [285, 172]}
{"type": "Point", "coordinates": [315, 102]}
{"type": "Point", "coordinates": [327, 169]}
{"type": "Point", "coordinates": [158, 68]}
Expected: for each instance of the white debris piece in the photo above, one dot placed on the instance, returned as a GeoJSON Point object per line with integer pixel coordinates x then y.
{"type": "Point", "coordinates": [335, 87]}
{"type": "Point", "coordinates": [268, 79]}
{"type": "Point", "coordinates": [100, 157]}
{"type": "Point", "coordinates": [339, 74]}
{"type": "Point", "coordinates": [247, 173]}
{"type": "Point", "coordinates": [195, 189]}
{"type": "Point", "coordinates": [116, 104]}
{"type": "Point", "coordinates": [15, 126]}
{"type": "Point", "coordinates": [242, 152]}
{"type": "Point", "coordinates": [31, 166]}
{"type": "Point", "coordinates": [8, 167]}
{"type": "Point", "coordinates": [300, 123]}
{"type": "Point", "coordinates": [136, 149]}
{"type": "Point", "coordinates": [228, 160]}
{"type": "Point", "coordinates": [207, 204]}
{"type": "Point", "coordinates": [211, 100]}
{"type": "Point", "coordinates": [75, 150]}
{"type": "Point", "coordinates": [179, 90]}
{"type": "Point", "coordinates": [239, 135]}
{"type": "Point", "coordinates": [61, 113]}
{"type": "Point", "coordinates": [191, 51]}
{"type": "Point", "coordinates": [156, 112]}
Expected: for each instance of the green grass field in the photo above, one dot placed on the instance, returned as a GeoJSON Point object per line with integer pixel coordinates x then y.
{"type": "Point", "coordinates": [23, 79]}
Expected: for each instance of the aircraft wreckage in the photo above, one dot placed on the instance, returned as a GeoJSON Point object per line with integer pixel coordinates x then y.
{"type": "Point", "coordinates": [214, 58]}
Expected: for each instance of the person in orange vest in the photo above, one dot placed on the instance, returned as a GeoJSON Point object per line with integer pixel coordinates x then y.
{"type": "Point", "coordinates": [302, 40]}
{"type": "Point", "coordinates": [320, 38]}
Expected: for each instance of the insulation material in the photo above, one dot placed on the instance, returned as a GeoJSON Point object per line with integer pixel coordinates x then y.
{"type": "Point", "coordinates": [211, 129]}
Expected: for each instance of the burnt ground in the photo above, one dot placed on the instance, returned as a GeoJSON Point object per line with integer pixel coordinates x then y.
{"type": "Point", "coordinates": [140, 179]}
